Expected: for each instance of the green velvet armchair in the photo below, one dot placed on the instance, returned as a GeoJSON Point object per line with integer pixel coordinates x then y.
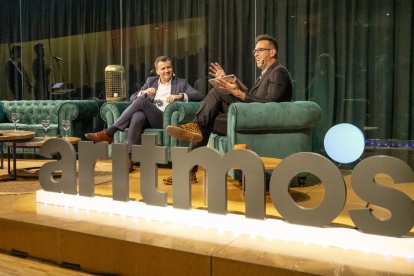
{"type": "Point", "coordinates": [175, 113]}
{"type": "Point", "coordinates": [274, 130]}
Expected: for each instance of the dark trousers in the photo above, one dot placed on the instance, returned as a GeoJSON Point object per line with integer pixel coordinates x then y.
{"type": "Point", "coordinates": [139, 115]}
{"type": "Point", "coordinates": [214, 104]}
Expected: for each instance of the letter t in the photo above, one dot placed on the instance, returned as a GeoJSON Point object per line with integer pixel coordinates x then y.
{"type": "Point", "coordinates": [149, 155]}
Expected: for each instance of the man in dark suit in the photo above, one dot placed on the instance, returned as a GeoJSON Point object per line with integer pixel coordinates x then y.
{"type": "Point", "coordinates": [148, 104]}
{"type": "Point", "coordinates": [273, 85]}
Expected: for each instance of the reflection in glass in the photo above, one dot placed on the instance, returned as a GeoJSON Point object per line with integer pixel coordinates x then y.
{"type": "Point", "coordinates": [17, 78]}
{"type": "Point", "coordinates": [40, 73]}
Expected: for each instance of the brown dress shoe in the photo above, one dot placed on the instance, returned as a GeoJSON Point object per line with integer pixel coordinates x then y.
{"type": "Point", "coordinates": [188, 132]}
{"type": "Point", "coordinates": [99, 137]}
{"type": "Point", "coordinates": [131, 166]}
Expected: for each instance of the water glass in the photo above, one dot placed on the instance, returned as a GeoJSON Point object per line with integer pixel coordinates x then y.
{"type": "Point", "coordinates": [15, 118]}
{"type": "Point", "coordinates": [66, 126]}
{"type": "Point", "coordinates": [45, 125]}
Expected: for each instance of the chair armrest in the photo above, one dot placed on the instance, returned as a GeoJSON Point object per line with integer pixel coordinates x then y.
{"type": "Point", "coordinates": [180, 113]}
{"type": "Point", "coordinates": [272, 116]}
{"type": "Point", "coordinates": [111, 111]}
{"type": "Point", "coordinates": [80, 114]}
{"type": "Point", "coordinates": [247, 119]}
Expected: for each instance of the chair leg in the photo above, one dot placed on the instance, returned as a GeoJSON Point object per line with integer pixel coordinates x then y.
{"type": "Point", "coordinates": [302, 181]}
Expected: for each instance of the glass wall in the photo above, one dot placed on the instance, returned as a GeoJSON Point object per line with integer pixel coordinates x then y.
{"type": "Point", "coordinates": [353, 58]}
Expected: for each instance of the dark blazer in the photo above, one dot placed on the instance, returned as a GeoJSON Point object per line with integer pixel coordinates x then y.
{"type": "Point", "coordinates": [274, 86]}
{"type": "Point", "coordinates": [177, 86]}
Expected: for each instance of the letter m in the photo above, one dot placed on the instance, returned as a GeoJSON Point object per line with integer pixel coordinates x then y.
{"type": "Point", "coordinates": [217, 167]}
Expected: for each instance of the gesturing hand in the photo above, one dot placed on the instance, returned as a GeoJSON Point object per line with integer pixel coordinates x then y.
{"type": "Point", "coordinates": [149, 91]}
{"type": "Point", "coordinates": [216, 70]}
{"type": "Point", "coordinates": [233, 87]}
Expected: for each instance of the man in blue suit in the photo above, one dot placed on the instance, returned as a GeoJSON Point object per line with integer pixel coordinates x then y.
{"type": "Point", "coordinates": [148, 104]}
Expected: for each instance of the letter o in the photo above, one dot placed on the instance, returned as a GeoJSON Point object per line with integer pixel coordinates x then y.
{"type": "Point", "coordinates": [328, 173]}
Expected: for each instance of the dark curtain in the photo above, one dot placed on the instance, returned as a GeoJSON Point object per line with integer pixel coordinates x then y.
{"type": "Point", "coordinates": [80, 33]}
{"type": "Point", "coordinates": [177, 29]}
{"type": "Point", "coordinates": [231, 37]}
{"type": "Point", "coordinates": [11, 81]}
{"type": "Point", "coordinates": [354, 58]}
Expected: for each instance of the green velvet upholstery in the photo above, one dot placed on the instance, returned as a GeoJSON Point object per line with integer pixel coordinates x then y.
{"type": "Point", "coordinates": [175, 113]}
{"type": "Point", "coordinates": [80, 114]}
{"type": "Point", "coordinates": [274, 130]}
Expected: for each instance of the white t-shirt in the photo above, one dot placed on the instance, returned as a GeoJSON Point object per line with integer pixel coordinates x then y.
{"type": "Point", "coordinates": [164, 90]}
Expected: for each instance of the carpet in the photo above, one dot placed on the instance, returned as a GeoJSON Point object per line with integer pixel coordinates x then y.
{"type": "Point", "coordinates": [28, 185]}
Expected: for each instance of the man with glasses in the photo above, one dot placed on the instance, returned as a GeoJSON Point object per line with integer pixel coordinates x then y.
{"type": "Point", "coordinates": [273, 85]}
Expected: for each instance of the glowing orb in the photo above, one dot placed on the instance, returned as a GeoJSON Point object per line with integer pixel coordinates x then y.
{"type": "Point", "coordinates": [344, 143]}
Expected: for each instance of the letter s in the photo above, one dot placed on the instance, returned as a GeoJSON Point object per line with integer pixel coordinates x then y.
{"type": "Point", "coordinates": [399, 204]}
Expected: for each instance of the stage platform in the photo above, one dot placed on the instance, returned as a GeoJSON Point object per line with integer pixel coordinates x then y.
{"type": "Point", "coordinates": [122, 245]}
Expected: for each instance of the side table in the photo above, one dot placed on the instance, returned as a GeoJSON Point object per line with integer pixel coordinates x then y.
{"type": "Point", "coordinates": [13, 137]}
{"type": "Point", "coordinates": [37, 142]}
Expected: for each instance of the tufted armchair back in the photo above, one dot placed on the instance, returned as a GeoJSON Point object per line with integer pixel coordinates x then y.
{"type": "Point", "coordinates": [32, 112]}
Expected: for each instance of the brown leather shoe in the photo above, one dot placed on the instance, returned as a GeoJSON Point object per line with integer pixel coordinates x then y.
{"type": "Point", "coordinates": [131, 166]}
{"type": "Point", "coordinates": [99, 137]}
{"type": "Point", "coordinates": [188, 132]}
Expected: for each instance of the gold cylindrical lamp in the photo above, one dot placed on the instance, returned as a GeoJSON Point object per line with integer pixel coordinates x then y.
{"type": "Point", "coordinates": [115, 84]}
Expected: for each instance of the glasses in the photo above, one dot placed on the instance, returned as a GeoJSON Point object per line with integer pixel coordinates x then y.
{"type": "Point", "coordinates": [15, 118]}
{"type": "Point", "coordinates": [260, 50]}
{"type": "Point", "coordinates": [45, 125]}
{"type": "Point", "coordinates": [66, 126]}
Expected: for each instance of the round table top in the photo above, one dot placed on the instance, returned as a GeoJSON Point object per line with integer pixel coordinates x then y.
{"type": "Point", "coordinates": [37, 142]}
{"type": "Point", "coordinates": [19, 135]}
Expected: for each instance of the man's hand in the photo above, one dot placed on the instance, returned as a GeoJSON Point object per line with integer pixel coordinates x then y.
{"type": "Point", "coordinates": [216, 70]}
{"type": "Point", "coordinates": [173, 98]}
{"type": "Point", "coordinates": [233, 87]}
{"type": "Point", "coordinates": [149, 91]}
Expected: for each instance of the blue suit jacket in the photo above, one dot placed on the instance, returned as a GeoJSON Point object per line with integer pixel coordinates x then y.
{"type": "Point", "coordinates": [177, 86]}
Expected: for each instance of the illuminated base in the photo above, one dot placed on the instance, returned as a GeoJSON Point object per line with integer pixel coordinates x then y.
{"type": "Point", "coordinates": [238, 224]}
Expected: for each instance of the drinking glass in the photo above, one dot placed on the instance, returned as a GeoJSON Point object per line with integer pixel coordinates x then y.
{"type": "Point", "coordinates": [15, 118]}
{"type": "Point", "coordinates": [45, 125]}
{"type": "Point", "coordinates": [66, 126]}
